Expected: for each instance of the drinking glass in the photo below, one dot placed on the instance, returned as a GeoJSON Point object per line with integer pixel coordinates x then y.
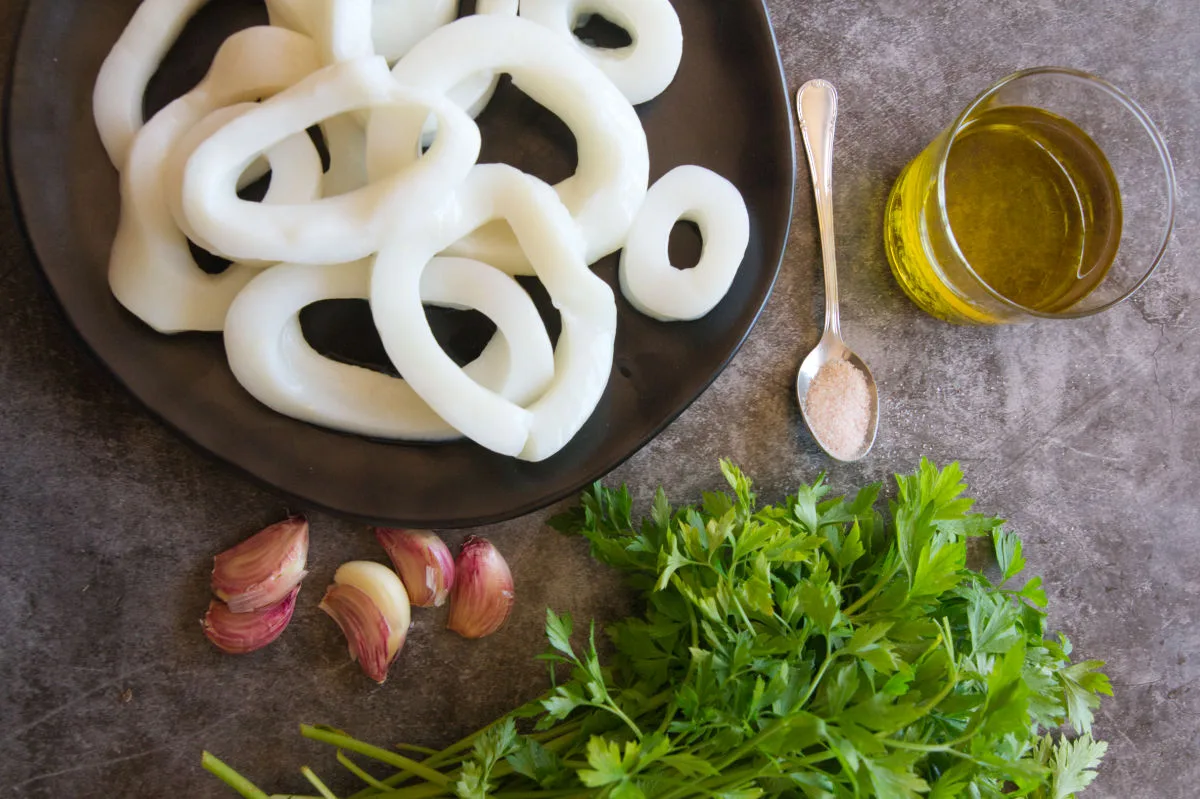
{"type": "Point", "coordinates": [927, 259]}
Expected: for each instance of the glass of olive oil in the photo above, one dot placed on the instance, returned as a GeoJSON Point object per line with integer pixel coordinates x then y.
{"type": "Point", "coordinates": [1052, 195]}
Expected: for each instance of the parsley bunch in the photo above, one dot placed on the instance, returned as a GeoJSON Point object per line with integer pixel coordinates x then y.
{"type": "Point", "coordinates": [810, 649]}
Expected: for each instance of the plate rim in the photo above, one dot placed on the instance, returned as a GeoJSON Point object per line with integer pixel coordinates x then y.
{"type": "Point", "coordinates": [523, 509]}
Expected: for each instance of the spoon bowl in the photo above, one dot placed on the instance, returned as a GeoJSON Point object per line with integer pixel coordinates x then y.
{"type": "Point", "coordinates": [832, 348]}
{"type": "Point", "coordinates": [816, 107]}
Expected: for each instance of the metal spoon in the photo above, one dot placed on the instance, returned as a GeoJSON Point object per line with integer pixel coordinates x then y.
{"type": "Point", "coordinates": [816, 105]}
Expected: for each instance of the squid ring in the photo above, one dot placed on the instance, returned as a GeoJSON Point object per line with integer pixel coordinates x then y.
{"type": "Point", "coordinates": [644, 69]}
{"type": "Point", "coordinates": [399, 24]}
{"type": "Point", "coordinates": [272, 360]}
{"type": "Point", "coordinates": [333, 229]}
{"type": "Point", "coordinates": [649, 281]}
{"type": "Point", "coordinates": [476, 91]}
{"type": "Point", "coordinates": [294, 164]}
{"type": "Point", "coordinates": [346, 141]}
{"type": "Point", "coordinates": [121, 84]}
{"type": "Point", "coordinates": [614, 165]}
{"type": "Point", "coordinates": [584, 356]}
{"type": "Point", "coordinates": [388, 28]}
{"type": "Point", "coordinates": [151, 270]}
{"type": "Point", "coordinates": [344, 28]}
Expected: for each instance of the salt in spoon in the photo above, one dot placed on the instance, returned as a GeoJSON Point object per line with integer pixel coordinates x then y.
{"type": "Point", "coordinates": [816, 105]}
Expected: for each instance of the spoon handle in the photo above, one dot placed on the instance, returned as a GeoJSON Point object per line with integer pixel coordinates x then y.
{"type": "Point", "coordinates": [816, 105]}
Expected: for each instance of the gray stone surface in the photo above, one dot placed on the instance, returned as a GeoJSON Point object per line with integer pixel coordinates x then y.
{"type": "Point", "coordinates": [1084, 434]}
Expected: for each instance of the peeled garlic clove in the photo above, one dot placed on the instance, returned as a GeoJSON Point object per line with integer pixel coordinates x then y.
{"type": "Point", "coordinates": [261, 570]}
{"type": "Point", "coordinates": [239, 633]}
{"type": "Point", "coordinates": [423, 562]}
{"type": "Point", "coordinates": [483, 590]}
{"type": "Point", "coordinates": [369, 603]}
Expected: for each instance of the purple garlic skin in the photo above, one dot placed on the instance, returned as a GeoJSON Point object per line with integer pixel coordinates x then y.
{"type": "Point", "coordinates": [423, 562]}
{"type": "Point", "coordinates": [482, 596]}
{"type": "Point", "coordinates": [240, 633]}
{"type": "Point", "coordinates": [369, 604]}
{"type": "Point", "coordinates": [264, 568]}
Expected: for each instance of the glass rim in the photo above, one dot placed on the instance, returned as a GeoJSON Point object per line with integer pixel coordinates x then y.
{"type": "Point", "coordinates": [1130, 105]}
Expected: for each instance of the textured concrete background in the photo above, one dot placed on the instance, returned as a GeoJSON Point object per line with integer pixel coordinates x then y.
{"type": "Point", "coordinates": [1084, 435]}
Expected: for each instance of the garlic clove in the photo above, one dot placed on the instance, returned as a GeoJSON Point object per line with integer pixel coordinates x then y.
{"type": "Point", "coordinates": [261, 570]}
{"type": "Point", "coordinates": [369, 603]}
{"type": "Point", "coordinates": [482, 596]}
{"type": "Point", "coordinates": [423, 562]}
{"type": "Point", "coordinates": [239, 633]}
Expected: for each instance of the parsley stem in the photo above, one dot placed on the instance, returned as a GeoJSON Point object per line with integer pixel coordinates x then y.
{"type": "Point", "coordinates": [812, 760]}
{"type": "Point", "coordinates": [357, 771]}
{"type": "Point", "coordinates": [689, 787]}
{"type": "Point", "coordinates": [424, 750]}
{"type": "Point", "coordinates": [316, 783]}
{"type": "Point", "coordinates": [944, 638]}
{"type": "Point", "coordinates": [616, 711]}
{"type": "Point", "coordinates": [227, 775]}
{"type": "Point", "coordinates": [447, 754]}
{"type": "Point", "coordinates": [435, 759]}
{"type": "Point", "coordinates": [695, 628]}
{"type": "Point", "coordinates": [376, 753]}
{"type": "Point", "coordinates": [946, 748]}
{"type": "Point", "coordinates": [669, 716]}
{"type": "Point", "coordinates": [830, 656]}
{"type": "Point", "coordinates": [423, 791]}
{"type": "Point", "coordinates": [723, 782]}
{"type": "Point", "coordinates": [554, 733]}
{"type": "Point", "coordinates": [741, 611]}
{"type": "Point", "coordinates": [541, 794]}
{"type": "Point", "coordinates": [847, 770]}
{"type": "Point", "coordinates": [871, 594]}
{"type": "Point", "coordinates": [740, 777]}
{"type": "Point", "coordinates": [389, 783]}
{"type": "Point", "coordinates": [749, 745]}
{"type": "Point", "coordinates": [694, 787]}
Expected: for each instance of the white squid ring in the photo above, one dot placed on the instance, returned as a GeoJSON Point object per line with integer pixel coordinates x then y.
{"type": "Point", "coordinates": [295, 15]}
{"type": "Point", "coordinates": [649, 281]}
{"type": "Point", "coordinates": [342, 32]}
{"type": "Point", "coordinates": [346, 141]}
{"type": "Point", "coordinates": [151, 270]}
{"type": "Point", "coordinates": [644, 69]}
{"type": "Point", "coordinates": [614, 163]}
{"type": "Point", "coordinates": [345, 135]}
{"type": "Point", "coordinates": [476, 92]}
{"type": "Point", "coordinates": [294, 164]}
{"type": "Point", "coordinates": [389, 28]}
{"type": "Point", "coordinates": [333, 229]}
{"type": "Point", "coordinates": [400, 24]}
{"type": "Point", "coordinates": [272, 360]}
{"type": "Point", "coordinates": [583, 358]}
{"type": "Point", "coordinates": [121, 85]}
{"type": "Point", "coordinates": [345, 30]}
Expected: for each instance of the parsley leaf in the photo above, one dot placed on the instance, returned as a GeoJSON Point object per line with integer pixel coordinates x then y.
{"type": "Point", "coordinates": [1075, 764]}
{"type": "Point", "coordinates": [1083, 683]}
{"type": "Point", "coordinates": [1008, 554]}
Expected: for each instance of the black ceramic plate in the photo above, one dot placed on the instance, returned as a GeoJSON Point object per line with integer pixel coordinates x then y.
{"type": "Point", "coordinates": [727, 110]}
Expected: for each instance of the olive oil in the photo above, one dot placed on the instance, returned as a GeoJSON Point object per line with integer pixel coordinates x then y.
{"type": "Point", "coordinates": [1032, 204]}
